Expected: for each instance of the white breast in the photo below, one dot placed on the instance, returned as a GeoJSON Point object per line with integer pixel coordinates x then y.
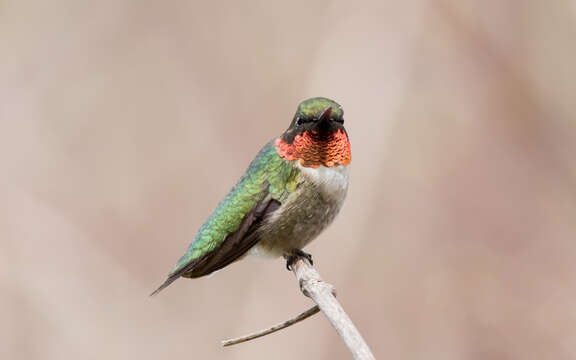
{"type": "Point", "coordinates": [332, 180]}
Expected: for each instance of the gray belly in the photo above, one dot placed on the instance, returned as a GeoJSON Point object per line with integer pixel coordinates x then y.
{"type": "Point", "coordinates": [302, 217]}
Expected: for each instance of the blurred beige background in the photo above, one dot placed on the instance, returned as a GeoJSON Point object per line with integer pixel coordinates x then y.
{"type": "Point", "coordinates": [125, 122]}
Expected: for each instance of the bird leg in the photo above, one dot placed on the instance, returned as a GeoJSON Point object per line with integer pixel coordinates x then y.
{"type": "Point", "coordinates": [294, 255]}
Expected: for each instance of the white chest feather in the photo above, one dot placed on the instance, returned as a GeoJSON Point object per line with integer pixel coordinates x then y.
{"type": "Point", "coordinates": [333, 181]}
{"type": "Point", "coordinates": [304, 215]}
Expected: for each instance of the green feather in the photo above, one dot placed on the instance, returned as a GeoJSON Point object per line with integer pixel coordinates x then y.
{"type": "Point", "coordinates": [267, 174]}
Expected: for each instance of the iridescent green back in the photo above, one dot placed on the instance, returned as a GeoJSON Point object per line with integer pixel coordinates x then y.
{"type": "Point", "coordinates": [268, 174]}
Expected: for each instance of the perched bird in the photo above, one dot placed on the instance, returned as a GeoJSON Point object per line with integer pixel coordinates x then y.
{"type": "Point", "coordinates": [290, 192]}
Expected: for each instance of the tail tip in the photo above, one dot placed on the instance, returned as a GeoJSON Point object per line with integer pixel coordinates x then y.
{"type": "Point", "coordinates": [165, 284]}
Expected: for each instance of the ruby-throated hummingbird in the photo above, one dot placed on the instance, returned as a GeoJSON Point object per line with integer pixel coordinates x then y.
{"type": "Point", "coordinates": [290, 192]}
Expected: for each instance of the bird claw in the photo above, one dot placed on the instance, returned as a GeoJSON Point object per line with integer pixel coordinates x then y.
{"type": "Point", "coordinates": [294, 255]}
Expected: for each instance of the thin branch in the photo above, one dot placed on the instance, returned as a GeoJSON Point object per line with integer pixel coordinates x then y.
{"type": "Point", "coordinates": [306, 314]}
{"type": "Point", "coordinates": [322, 293]}
{"type": "Point", "coordinates": [312, 285]}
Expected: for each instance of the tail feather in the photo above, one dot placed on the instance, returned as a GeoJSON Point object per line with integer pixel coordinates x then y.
{"type": "Point", "coordinates": [165, 284]}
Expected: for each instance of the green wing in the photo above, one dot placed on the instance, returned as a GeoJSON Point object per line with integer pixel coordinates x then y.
{"type": "Point", "coordinates": [231, 229]}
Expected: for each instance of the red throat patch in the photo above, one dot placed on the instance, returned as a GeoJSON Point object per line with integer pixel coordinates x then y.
{"type": "Point", "coordinates": [313, 151]}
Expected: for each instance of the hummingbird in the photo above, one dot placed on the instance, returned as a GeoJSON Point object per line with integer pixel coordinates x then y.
{"type": "Point", "coordinates": [290, 193]}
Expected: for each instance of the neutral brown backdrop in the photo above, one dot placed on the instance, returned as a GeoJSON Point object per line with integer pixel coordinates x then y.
{"type": "Point", "coordinates": [123, 123]}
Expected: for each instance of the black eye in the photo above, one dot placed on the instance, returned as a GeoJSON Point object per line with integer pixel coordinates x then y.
{"type": "Point", "coordinates": [339, 120]}
{"type": "Point", "coordinates": [298, 121]}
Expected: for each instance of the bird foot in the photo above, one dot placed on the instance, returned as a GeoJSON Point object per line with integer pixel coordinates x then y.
{"type": "Point", "coordinates": [294, 255]}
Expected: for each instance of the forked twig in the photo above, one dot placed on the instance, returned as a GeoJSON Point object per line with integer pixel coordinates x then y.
{"type": "Point", "coordinates": [322, 294]}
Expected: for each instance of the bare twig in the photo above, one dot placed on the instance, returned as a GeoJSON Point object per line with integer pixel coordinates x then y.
{"type": "Point", "coordinates": [322, 294]}
{"type": "Point", "coordinates": [306, 314]}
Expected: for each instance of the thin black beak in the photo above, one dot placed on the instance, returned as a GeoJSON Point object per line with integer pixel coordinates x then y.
{"type": "Point", "coordinates": [325, 114]}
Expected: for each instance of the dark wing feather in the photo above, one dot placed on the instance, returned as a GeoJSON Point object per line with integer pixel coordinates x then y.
{"type": "Point", "coordinates": [235, 245]}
